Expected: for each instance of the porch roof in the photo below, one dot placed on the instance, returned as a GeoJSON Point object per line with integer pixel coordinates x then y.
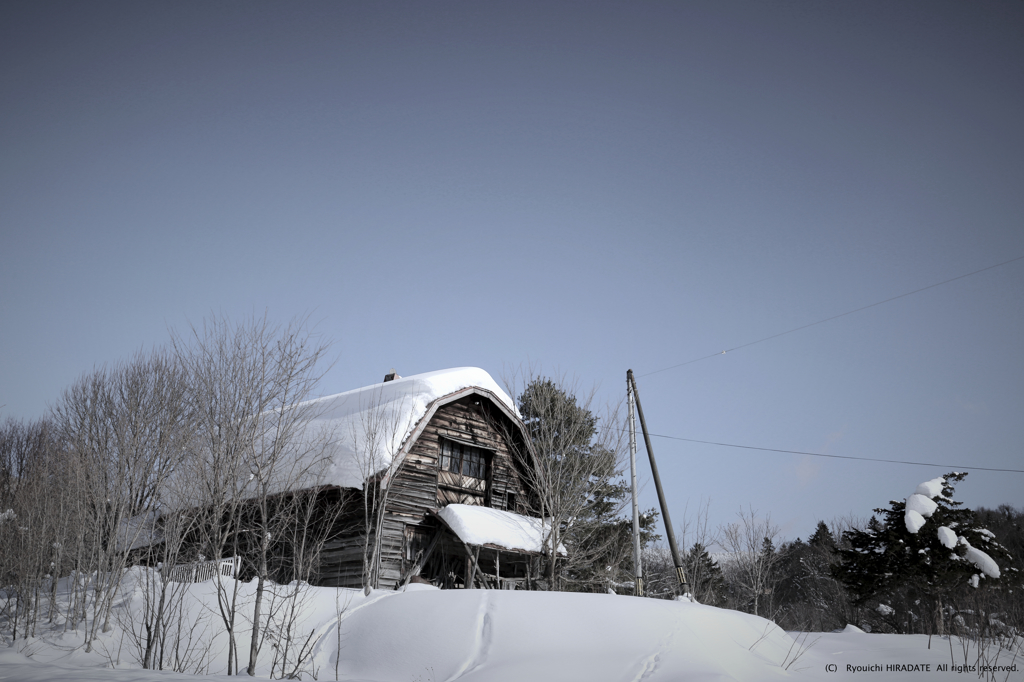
{"type": "Point", "coordinates": [476, 525]}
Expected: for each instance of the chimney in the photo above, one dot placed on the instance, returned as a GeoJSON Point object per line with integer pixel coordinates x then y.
{"type": "Point", "coordinates": [392, 375]}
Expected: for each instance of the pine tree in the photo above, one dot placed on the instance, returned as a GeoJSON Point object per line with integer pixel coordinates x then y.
{"type": "Point", "coordinates": [576, 475]}
{"type": "Point", "coordinates": [911, 574]}
{"type": "Point", "coordinates": [822, 537]}
{"type": "Point", "coordinates": [705, 576]}
{"type": "Point", "coordinates": [809, 597]}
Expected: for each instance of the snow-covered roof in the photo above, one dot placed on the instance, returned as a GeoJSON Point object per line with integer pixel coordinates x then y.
{"type": "Point", "coordinates": [344, 439]}
{"type": "Point", "coordinates": [369, 428]}
{"type": "Point", "coordinates": [485, 526]}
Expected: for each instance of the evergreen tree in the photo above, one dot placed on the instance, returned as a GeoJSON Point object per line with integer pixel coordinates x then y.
{"type": "Point", "coordinates": [911, 574]}
{"type": "Point", "coordinates": [557, 422]}
{"type": "Point", "coordinates": [793, 585]}
{"type": "Point", "coordinates": [809, 597]}
{"type": "Point", "coordinates": [706, 579]}
{"type": "Point", "coordinates": [822, 537]}
{"type": "Point", "coordinates": [576, 475]}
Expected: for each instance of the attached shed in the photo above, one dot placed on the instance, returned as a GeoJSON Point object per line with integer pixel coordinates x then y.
{"type": "Point", "coordinates": [502, 549]}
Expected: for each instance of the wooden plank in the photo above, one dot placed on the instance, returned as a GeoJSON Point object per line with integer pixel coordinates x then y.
{"type": "Point", "coordinates": [418, 487]}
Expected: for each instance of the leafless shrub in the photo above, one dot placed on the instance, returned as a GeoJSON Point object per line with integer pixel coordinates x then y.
{"type": "Point", "coordinates": [751, 563]}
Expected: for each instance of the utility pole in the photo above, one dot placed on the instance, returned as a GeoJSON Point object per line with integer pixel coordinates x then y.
{"type": "Point", "coordinates": [676, 558]}
{"type": "Point", "coordinates": [638, 589]}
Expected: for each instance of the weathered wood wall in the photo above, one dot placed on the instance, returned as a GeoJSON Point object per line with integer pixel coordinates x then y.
{"type": "Point", "coordinates": [341, 560]}
{"type": "Point", "coordinates": [417, 488]}
{"type": "Point", "coordinates": [420, 486]}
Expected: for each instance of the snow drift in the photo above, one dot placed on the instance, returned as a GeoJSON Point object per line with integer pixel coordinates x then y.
{"type": "Point", "coordinates": [422, 633]}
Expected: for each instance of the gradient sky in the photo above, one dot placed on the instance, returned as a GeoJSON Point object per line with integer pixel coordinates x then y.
{"type": "Point", "coordinates": [589, 187]}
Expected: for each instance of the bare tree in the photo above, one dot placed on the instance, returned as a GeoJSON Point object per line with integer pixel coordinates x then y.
{"type": "Point", "coordinates": [225, 364]}
{"type": "Point", "coordinates": [377, 437]}
{"type": "Point", "coordinates": [702, 572]}
{"type": "Point", "coordinates": [751, 567]}
{"type": "Point", "coordinates": [250, 383]}
{"type": "Point", "coordinates": [124, 431]}
{"type": "Point", "coordinates": [161, 632]}
{"type": "Point", "coordinates": [29, 523]}
{"type": "Point", "coordinates": [576, 456]}
{"type": "Point", "coordinates": [286, 457]}
{"type": "Point", "coordinates": [161, 459]}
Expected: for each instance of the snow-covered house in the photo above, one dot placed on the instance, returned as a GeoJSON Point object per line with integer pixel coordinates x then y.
{"type": "Point", "coordinates": [441, 456]}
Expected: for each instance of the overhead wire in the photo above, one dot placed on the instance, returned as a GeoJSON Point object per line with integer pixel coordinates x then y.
{"type": "Point", "coordinates": [821, 454]}
{"type": "Point", "coordinates": [834, 317]}
{"type": "Point", "coordinates": [957, 467]}
{"type": "Point", "coordinates": [822, 321]}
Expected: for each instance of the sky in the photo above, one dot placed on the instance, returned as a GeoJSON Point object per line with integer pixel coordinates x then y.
{"type": "Point", "coordinates": [579, 187]}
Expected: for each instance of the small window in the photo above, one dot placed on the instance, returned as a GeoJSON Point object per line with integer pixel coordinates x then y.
{"type": "Point", "coordinates": [463, 459]}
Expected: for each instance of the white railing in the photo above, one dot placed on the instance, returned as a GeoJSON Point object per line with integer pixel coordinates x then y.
{"type": "Point", "coordinates": [201, 571]}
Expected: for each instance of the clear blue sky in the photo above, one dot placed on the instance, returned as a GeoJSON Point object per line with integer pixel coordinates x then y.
{"type": "Point", "coordinates": [587, 186]}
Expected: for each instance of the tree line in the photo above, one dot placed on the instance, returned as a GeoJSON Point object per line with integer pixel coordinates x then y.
{"type": "Point", "coordinates": [874, 574]}
{"type": "Point", "coordinates": [173, 457]}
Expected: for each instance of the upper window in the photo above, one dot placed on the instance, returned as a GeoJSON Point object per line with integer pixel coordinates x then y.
{"type": "Point", "coordinates": [463, 459]}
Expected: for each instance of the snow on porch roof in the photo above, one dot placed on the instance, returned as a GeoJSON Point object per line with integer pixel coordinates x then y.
{"type": "Point", "coordinates": [485, 526]}
{"type": "Point", "coordinates": [369, 426]}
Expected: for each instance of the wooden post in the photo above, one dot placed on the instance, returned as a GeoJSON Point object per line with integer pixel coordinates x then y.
{"type": "Point", "coordinates": [420, 560]}
{"type": "Point", "coordinates": [638, 574]}
{"type": "Point", "coordinates": [474, 558]}
{"type": "Point", "coordinates": [676, 558]}
{"type": "Point", "coordinates": [476, 568]}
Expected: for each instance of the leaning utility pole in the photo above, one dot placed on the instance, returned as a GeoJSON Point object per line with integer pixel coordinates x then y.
{"type": "Point", "coordinates": [638, 589]}
{"type": "Point", "coordinates": [676, 559]}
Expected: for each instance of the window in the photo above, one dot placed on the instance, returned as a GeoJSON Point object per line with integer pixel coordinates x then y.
{"type": "Point", "coordinates": [463, 459]}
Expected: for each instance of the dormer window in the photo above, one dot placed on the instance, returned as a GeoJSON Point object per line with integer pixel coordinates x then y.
{"type": "Point", "coordinates": [463, 459]}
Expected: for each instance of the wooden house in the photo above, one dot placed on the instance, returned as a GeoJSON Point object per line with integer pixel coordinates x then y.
{"type": "Point", "coordinates": [431, 473]}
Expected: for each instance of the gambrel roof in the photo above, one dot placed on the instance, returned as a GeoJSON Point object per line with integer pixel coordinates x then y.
{"type": "Point", "coordinates": [371, 428]}
{"type": "Point", "coordinates": [345, 439]}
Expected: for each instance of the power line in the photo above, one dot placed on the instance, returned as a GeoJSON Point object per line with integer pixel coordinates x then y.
{"type": "Point", "coordinates": [820, 454]}
{"type": "Point", "coordinates": [835, 317]}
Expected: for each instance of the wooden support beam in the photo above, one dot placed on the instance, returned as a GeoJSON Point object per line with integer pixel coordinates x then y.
{"type": "Point", "coordinates": [421, 560]}
{"type": "Point", "coordinates": [474, 558]}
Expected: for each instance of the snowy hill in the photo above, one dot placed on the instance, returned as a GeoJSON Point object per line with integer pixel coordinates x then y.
{"type": "Point", "coordinates": [430, 635]}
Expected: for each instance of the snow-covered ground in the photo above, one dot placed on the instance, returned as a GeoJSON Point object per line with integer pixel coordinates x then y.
{"type": "Point", "coordinates": [429, 635]}
{"type": "Point", "coordinates": [858, 655]}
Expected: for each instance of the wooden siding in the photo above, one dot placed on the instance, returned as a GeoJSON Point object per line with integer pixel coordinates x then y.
{"type": "Point", "coordinates": [341, 559]}
{"type": "Point", "coordinates": [420, 486]}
